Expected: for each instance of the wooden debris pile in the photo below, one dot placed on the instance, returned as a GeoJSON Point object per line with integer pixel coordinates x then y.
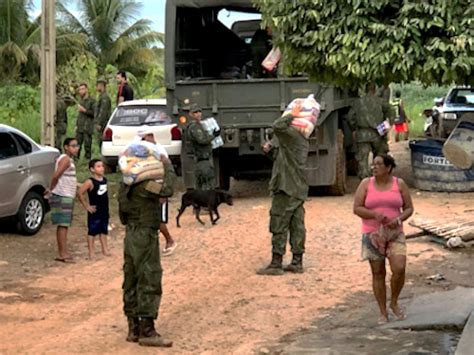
{"type": "Point", "coordinates": [452, 233]}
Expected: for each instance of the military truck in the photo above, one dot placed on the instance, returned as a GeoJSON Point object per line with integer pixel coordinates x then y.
{"type": "Point", "coordinates": [210, 64]}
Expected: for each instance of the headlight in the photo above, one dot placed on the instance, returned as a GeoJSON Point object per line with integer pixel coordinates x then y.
{"type": "Point", "coordinates": [448, 116]}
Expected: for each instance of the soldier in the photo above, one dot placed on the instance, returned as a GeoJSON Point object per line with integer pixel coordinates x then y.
{"type": "Point", "coordinates": [365, 115]}
{"type": "Point", "coordinates": [289, 190]}
{"type": "Point", "coordinates": [61, 120]}
{"type": "Point", "coordinates": [85, 121]}
{"type": "Point", "coordinates": [102, 109]}
{"type": "Point", "coordinates": [261, 45]}
{"type": "Point", "coordinates": [200, 141]}
{"type": "Point", "coordinates": [140, 212]}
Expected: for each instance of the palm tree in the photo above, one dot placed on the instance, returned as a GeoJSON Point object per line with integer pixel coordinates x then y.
{"type": "Point", "coordinates": [114, 34]}
{"type": "Point", "coordinates": [15, 36]}
{"type": "Point", "coordinates": [20, 40]}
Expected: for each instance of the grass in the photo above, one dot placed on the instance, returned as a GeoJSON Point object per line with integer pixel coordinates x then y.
{"type": "Point", "coordinates": [416, 99]}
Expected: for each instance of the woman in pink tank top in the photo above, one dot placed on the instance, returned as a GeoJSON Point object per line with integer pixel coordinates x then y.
{"type": "Point", "coordinates": [384, 202]}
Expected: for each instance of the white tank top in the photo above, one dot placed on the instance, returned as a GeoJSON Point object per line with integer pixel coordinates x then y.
{"type": "Point", "coordinates": [66, 186]}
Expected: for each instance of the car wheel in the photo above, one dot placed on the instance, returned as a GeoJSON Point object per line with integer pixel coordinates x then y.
{"type": "Point", "coordinates": [31, 214]}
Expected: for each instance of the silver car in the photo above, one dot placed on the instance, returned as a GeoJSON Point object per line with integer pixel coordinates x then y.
{"type": "Point", "coordinates": [26, 169]}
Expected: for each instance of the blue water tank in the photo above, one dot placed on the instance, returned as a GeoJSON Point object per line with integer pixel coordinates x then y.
{"type": "Point", "coordinates": [433, 172]}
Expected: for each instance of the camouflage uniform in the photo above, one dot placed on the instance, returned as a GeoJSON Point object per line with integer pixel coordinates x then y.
{"type": "Point", "coordinates": [289, 188]}
{"type": "Point", "coordinates": [140, 211]}
{"type": "Point", "coordinates": [85, 126]}
{"type": "Point", "coordinates": [60, 124]}
{"type": "Point", "coordinates": [200, 141]}
{"type": "Point", "coordinates": [102, 114]}
{"type": "Point", "coordinates": [363, 118]}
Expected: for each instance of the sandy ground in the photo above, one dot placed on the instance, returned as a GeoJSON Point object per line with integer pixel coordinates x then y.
{"type": "Point", "coordinates": [213, 301]}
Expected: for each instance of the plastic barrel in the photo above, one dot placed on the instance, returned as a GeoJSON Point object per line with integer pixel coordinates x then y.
{"type": "Point", "coordinates": [433, 172]}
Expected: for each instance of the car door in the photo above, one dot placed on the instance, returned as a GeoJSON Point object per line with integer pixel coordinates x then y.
{"type": "Point", "coordinates": [13, 172]}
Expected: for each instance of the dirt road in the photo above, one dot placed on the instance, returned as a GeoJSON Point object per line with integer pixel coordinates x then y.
{"type": "Point", "coordinates": [213, 300]}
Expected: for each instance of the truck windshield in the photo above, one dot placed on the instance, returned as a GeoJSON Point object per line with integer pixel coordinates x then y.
{"type": "Point", "coordinates": [140, 115]}
{"type": "Point", "coordinates": [216, 43]}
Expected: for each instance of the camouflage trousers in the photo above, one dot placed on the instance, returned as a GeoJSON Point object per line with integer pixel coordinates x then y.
{"type": "Point", "coordinates": [204, 175]}
{"type": "Point", "coordinates": [58, 139]}
{"type": "Point", "coordinates": [142, 272]}
{"type": "Point", "coordinates": [287, 218]}
{"type": "Point", "coordinates": [84, 139]}
{"type": "Point", "coordinates": [377, 147]}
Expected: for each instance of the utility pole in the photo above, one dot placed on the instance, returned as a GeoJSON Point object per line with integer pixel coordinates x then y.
{"type": "Point", "coordinates": [48, 71]}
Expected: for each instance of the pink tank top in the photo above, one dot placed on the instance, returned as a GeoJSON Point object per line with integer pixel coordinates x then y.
{"type": "Point", "coordinates": [388, 202]}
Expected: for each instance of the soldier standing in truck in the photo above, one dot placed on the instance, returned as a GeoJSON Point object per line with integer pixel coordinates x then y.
{"type": "Point", "coordinates": [200, 141]}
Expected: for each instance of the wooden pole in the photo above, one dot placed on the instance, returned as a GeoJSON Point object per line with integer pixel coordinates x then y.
{"type": "Point", "coordinates": [48, 71]}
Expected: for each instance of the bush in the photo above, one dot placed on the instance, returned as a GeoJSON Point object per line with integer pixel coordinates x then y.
{"type": "Point", "coordinates": [20, 107]}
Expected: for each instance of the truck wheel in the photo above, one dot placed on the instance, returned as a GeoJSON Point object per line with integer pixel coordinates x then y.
{"type": "Point", "coordinates": [30, 217]}
{"type": "Point", "coordinates": [339, 187]}
{"type": "Point", "coordinates": [110, 169]}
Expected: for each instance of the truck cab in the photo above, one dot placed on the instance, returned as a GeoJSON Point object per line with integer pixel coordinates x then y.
{"type": "Point", "coordinates": [210, 61]}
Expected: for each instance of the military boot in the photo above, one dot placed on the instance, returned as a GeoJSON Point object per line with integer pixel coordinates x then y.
{"type": "Point", "coordinates": [149, 336]}
{"type": "Point", "coordinates": [296, 265]}
{"type": "Point", "coordinates": [275, 267]}
{"type": "Point", "coordinates": [133, 330]}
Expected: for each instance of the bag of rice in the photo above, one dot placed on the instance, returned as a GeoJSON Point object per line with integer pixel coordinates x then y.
{"type": "Point", "coordinates": [306, 112]}
{"type": "Point", "coordinates": [272, 59]}
{"type": "Point", "coordinates": [140, 161]}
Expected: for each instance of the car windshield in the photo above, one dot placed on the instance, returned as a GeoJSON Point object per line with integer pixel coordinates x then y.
{"type": "Point", "coordinates": [462, 97]}
{"type": "Point", "coordinates": [150, 115]}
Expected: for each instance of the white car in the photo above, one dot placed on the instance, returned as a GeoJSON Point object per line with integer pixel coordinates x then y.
{"type": "Point", "coordinates": [131, 117]}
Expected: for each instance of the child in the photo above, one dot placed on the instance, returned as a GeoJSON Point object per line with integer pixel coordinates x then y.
{"type": "Point", "coordinates": [97, 208]}
{"type": "Point", "coordinates": [61, 194]}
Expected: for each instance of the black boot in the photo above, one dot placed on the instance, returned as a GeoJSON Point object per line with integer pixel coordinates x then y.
{"type": "Point", "coordinates": [296, 265]}
{"type": "Point", "coordinates": [133, 330]}
{"type": "Point", "coordinates": [275, 267]}
{"type": "Point", "coordinates": [149, 336]}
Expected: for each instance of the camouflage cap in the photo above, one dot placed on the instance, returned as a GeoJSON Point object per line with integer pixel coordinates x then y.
{"type": "Point", "coordinates": [195, 108]}
{"type": "Point", "coordinates": [102, 80]}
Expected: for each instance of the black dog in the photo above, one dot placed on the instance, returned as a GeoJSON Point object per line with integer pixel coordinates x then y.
{"type": "Point", "coordinates": [210, 199]}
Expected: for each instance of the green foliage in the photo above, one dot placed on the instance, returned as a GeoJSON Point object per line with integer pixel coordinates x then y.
{"type": "Point", "coordinates": [114, 35]}
{"type": "Point", "coordinates": [80, 69]}
{"type": "Point", "coordinates": [20, 108]}
{"type": "Point", "coordinates": [352, 42]}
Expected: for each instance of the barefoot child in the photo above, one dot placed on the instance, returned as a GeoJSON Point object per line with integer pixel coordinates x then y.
{"type": "Point", "coordinates": [97, 208]}
{"type": "Point", "coordinates": [61, 194]}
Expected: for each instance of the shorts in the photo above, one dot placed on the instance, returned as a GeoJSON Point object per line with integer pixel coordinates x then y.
{"type": "Point", "coordinates": [96, 226]}
{"type": "Point", "coordinates": [61, 210]}
{"type": "Point", "coordinates": [401, 127]}
{"type": "Point", "coordinates": [375, 248]}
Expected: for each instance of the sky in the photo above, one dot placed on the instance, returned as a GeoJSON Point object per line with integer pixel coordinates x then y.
{"type": "Point", "coordinates": [154, 10]}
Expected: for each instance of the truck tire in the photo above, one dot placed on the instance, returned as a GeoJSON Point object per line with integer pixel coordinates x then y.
{"type": "Point", "coordinates": [31, 214]}
{"type": "Point", "coordinates": [339, 188]}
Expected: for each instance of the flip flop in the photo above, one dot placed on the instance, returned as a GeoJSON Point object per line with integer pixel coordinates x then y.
{"type": "Point", "coordinates": [65, 260]}
{"type": "Point", "coordinates": [382, 320]}
{"type": "Point", "coordinates": [400, 316]}
{"type": "Point", "coordinates": [169, 251]}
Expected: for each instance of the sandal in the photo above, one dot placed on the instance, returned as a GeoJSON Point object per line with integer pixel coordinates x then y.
{"type": "Point", "coordinates": [170, 250]}
{"type": "Point", "coordinates": [400, 315]}
{"type": "Point", "coordinates": [65, 260]}
{"type": "Point", "coordinates": [382, 320]}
